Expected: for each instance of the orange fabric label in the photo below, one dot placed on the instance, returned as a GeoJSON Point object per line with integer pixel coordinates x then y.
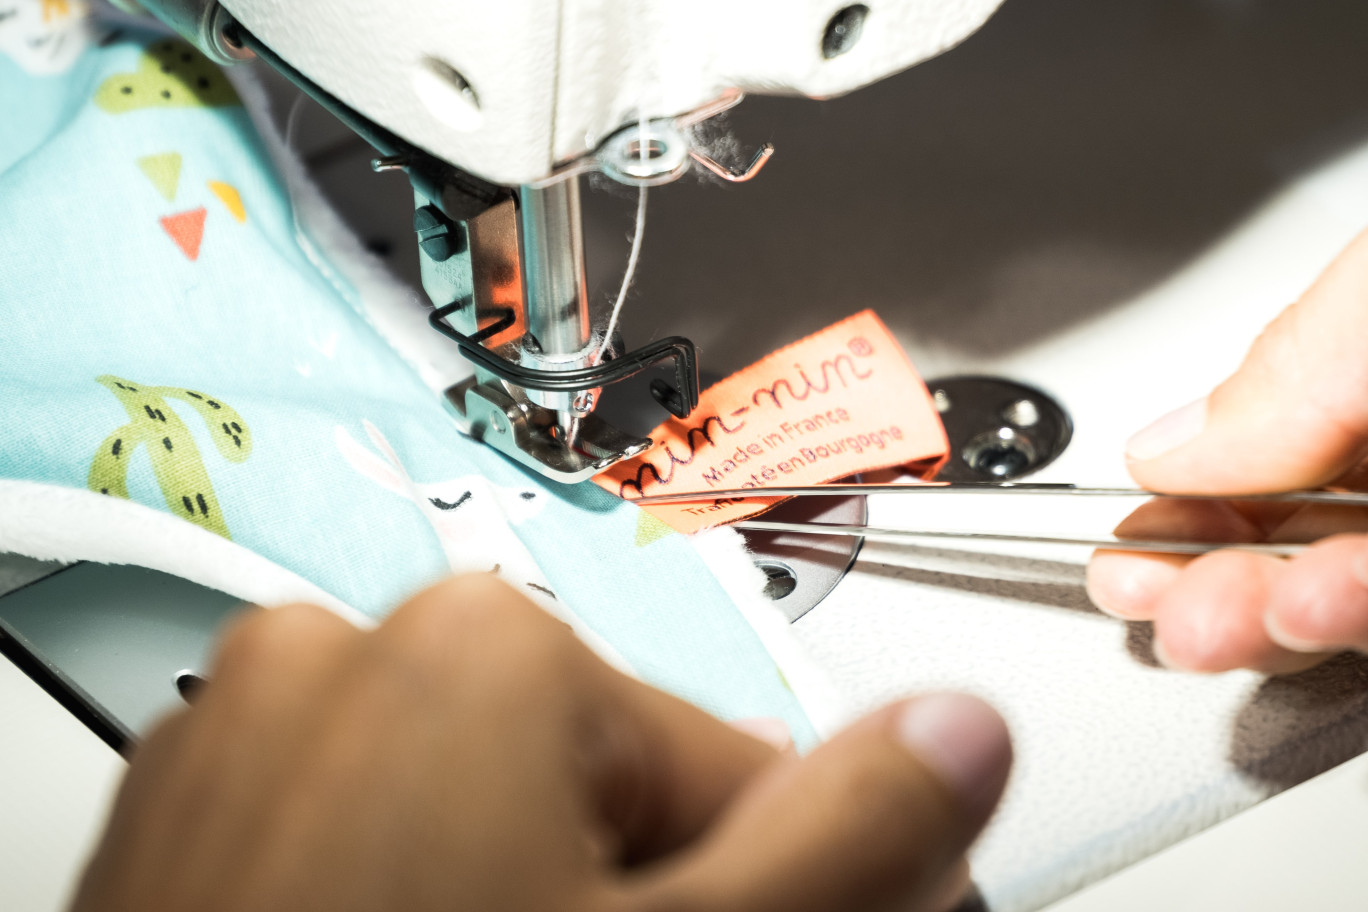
{"type": "Point", "coordinates": [843, 400]}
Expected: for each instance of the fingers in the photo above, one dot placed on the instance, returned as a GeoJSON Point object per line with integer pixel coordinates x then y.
{"type": "Point", "coordinates": [1215, 616]}
{"type": "Point", "coordinates": [881, 814]}
{"type": "Point", "coordinates": [1319, 603]}
{"type": "Point", "coordinates": [665, 769]}
{"type": "Point", "coordinates": [657, 769]}
{"type": "Point", "coordinates": [953, 889]}
{"type": "Point", "coordinates": [1294, 415]}
{"type": "Point", "coordinates": [476, 721]}
{"type": "Point", "coordinates": [268, 670]}
{"type": "Point", "coordinates": [273, 657]}
{"type": "Point", "coordinates": [772, 731]}
{"type": "Point", "coordinates": [1129, 585]}
{"type": "Point", "coordinates": [267, 660]}
{"type": "Point", "coordinates": [1211, 618]}
{"type": "Point", "coordinates": [1234, 609]}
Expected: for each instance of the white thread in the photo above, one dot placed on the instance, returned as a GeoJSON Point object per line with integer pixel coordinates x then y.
{"type": "Point", "coordinates": [637, 231]}
{"type": "Point", "coordinates": [627, 275]}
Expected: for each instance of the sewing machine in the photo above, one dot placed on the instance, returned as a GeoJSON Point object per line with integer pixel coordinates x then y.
{"type": "Point", "coordinates": [1057, 197]}
{"type": "Point", "coordinates": [496, 111]}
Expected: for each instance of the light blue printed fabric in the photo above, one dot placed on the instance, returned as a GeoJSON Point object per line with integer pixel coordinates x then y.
{"type": "Point", "coordinates": [164, 338]}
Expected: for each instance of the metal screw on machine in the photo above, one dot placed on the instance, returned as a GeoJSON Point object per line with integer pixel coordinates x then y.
{"type": "Point", "coordinates": [780, 580]}
{"type": "Point", "coordinates": [188, 684]}
{"type": "Point", "coordinates": [800, 571]}
{"type": "Point", "coordinates": [438, 236]}
{"type": "Point", "coordinates": [387, 163]}
{"type": "Point", "coordinates": [843, 30]}
{"type": "Point", "coordinates": [659, 151]}
{"type": "Point", "coordinates": [998, 429]}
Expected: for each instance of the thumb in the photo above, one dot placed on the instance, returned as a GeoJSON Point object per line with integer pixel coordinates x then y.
{"type": "Point", "coordinates": [1294, 415]}
{"type": "Point", "coordinates": [882, 813]}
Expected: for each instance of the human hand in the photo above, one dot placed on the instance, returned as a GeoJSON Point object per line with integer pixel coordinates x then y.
{"type": "Point", "coordinates": [470, 753]}
{"type": "Point", "coordinates": [1295, 415]}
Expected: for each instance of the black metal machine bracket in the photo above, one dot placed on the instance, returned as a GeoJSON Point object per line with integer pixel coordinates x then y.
{"type": "Point", "coordinates": [680, 400]}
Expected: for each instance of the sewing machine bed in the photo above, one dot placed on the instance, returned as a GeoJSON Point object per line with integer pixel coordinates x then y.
{"type": "Point", "coordinates": [1108, 203]}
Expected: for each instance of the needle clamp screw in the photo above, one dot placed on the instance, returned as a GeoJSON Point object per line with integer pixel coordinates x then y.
{"type": "Point", "coordinates": [438, 236]}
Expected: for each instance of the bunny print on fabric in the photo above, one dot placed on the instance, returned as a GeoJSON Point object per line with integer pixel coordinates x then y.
{"type": "Point", "coordinates": [473, 520]}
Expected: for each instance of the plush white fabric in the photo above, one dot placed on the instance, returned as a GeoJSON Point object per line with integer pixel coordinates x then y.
{"type": "Point", "coordinates": [724, 551]}
{"type": "Point", "coordinates": [50, 522]}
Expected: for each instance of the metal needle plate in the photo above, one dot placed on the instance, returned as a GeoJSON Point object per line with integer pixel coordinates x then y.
{"type": "Point", "coordinates": [803, 569]}
{"type": "Point", "coordinates": [998, 429]}
{"type": "Point", "coordinates": [108, 639]}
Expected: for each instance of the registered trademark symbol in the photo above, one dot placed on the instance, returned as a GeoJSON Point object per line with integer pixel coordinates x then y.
{"type": "Point", "coordinates": [860, 347]}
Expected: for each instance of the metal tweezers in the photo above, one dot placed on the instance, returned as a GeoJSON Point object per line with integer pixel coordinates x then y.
{"type": "Point", "coordinates": [874, 533]}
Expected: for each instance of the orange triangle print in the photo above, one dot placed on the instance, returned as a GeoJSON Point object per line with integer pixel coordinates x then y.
{"type": "Point", "coordinates": [186, 229]}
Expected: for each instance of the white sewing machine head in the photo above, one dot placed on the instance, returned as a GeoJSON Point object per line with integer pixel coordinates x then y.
{"type": "Point", "coordinates": [494, 110]}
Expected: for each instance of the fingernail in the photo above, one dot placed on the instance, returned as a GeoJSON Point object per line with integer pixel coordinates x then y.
{"type": "Point", "coordinates": [1127, 586]}
{"type": "Point", "coordinates": [1161, 655]}
{"type": "Point", "coordinates": [1199, 645]}
{"type": "Point", "coordinates": [1273, 627]}
{"type": "Point", "coordinates": [1359, 568]}
{"type": "Point", "coordinates": [964, 742]}
{"type": "Point", "coordinates": [770, 729]}
{"type": "Point", "coordinates": [1168, 433]}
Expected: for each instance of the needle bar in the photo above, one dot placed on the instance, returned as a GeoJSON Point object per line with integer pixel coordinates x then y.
{"type": "Point", "coordinates": [912, 535]}
{"type": "Point", "coordinates": [1336, 498]}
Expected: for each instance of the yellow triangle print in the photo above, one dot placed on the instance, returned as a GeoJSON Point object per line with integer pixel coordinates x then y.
{"type": "Point", "coordinates": [163, 171]}
{"type": "Point", "coordinates": [230, 198]}
{"type": "Point", "coordinates": [649, 529]}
